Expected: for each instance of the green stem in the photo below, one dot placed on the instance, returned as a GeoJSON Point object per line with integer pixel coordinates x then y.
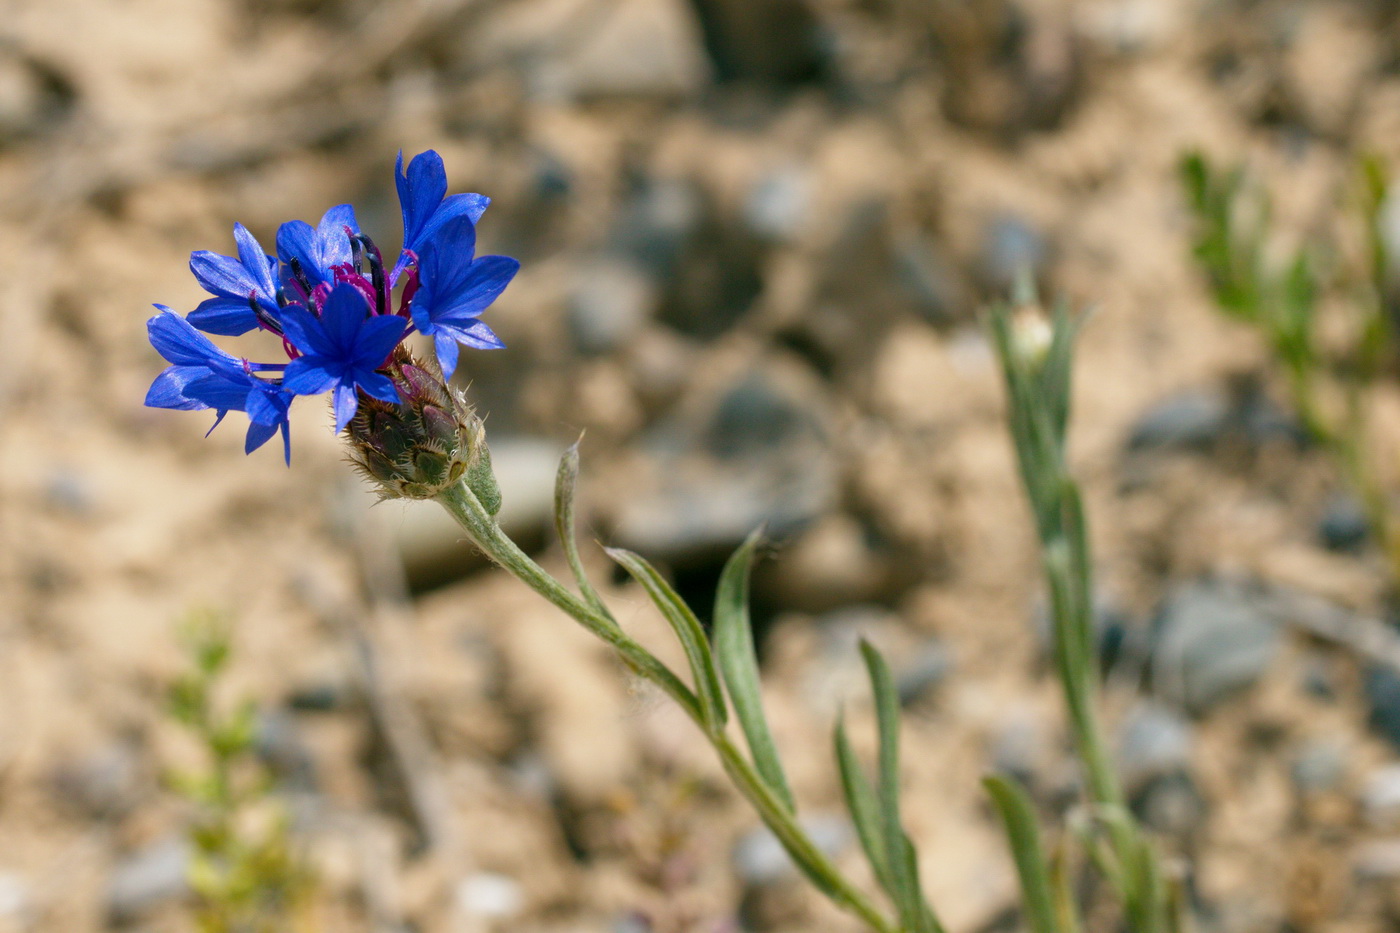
{"type": "Point", "coordinates": [488, 535]}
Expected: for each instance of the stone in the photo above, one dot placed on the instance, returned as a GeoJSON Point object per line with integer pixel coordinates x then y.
{"type": "Point", "coordinates": [1153, 741]}
{"type": "Point", "coordinates": [1170, 804]}
{"type": "Point", "coordinates": [919, 673]}
{"type": "Point", "coordinates": [779, 203]}
{"type": "Point", "coordinates": [756, 458]}
{"type": "Point", "coordinates": [106, 783]}
{"type": "Point", "coordinates": [1011, 245]}
{"type": "Point", "coordinates": [636, 48]}
{"type": "Point", "coordinates": [279, 742]}
{"type": "Point", "coordinates": [1380, 797]}
{"type": "Point", "coordinates": [777, 42]}
{"type": "Point", "coordinates": [148, 878]}
{"type": "Point", "coordinates": [1318, 766]}
{"type": "Point", "coordinates": [1382, 690]}
{"type": "Point", "coordinates": [1343, 527]}
{"type": "Point", "coordinates": [486, 894]}
{"type": "Point", "coordinates": [610, 301]}
{"type": "Point", "coordinates": [1210, 639]}
{"type": "Point", "coordinates": [1193, 420]}
{"type": "Point", "coordinates": [16, 899]}
{"type": "Point", "coordinates": [759, 858]}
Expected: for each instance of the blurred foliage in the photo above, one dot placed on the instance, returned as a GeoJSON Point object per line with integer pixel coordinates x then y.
{"type": "Point", "coordinates": [1330, 378]}
{"type": "Point", "coordinates": [245, 870]}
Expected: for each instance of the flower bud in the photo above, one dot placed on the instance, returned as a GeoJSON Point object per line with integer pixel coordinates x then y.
{"type": "Point", "coordinates": [425, 443]}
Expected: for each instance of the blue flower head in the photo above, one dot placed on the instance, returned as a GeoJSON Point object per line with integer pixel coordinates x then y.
{"type": "Point", "coordinates": [340, 316]}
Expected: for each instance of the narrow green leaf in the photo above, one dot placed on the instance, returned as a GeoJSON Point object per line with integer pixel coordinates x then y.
{"type": "Point", "coordinates": [738, 662]}
{"type": "Point", "coordinates": [905, 883]}
{"type": "Point", "coordinates": [921, 917]}
{"type": "Point", "coordinates": [564, 485]}
{"type": "Point", "coordinates": [687, 629]}
{"type": "Point", "coordinates": [864, 807]}
{"type": "Point", "coordinates": [1037, 892]}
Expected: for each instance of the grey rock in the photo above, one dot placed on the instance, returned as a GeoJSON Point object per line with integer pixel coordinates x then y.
{"type": "Point", "coordinates": [779, 203]}
{"type": "Point", "coordinates": [637, 48]}
{"type": "Point", "coordinates": [70, 492]}
{"type": "Point", "coordinates": [16, 899]}
{"type": "Point", "coordinates": [1170, 803]}
{"type": "Point", "coordinates": [148, 878]}
{"type": "Point", "coordinates": [756, 459]}
{"type": "Point", "coordinates": [1318, 766]}
{"type": "Point", "coordinates": [1192, 420]}
{"type": "Point", "coordinates": [279, 742]}
{"type": "Point", "coordinates": [105, 783]}
{"type": "Point", "coordinates": [1154, 741]}
{"type": "Point", "coordinates": [1211, 639]}
{"type": "Point", "coordinates": [1019, 749]}
{"type": "Point", "coordinates": [486, 894]}
{"type": "Point", "coordinates": [1378, 860]}
{"type": "Point", "coordinates": [777, 42]}
{"type": "Point", "coordinates": [1380, 797]}
{"type": "Point", "coordinates": [1343, 526]}
{"type": "Point", "coordinates": [1382, 689]}
{"type": "Point", "coordinates": [657, 222]}
{"type": "Point", "coordinates": [920, 673]}
{"type": "Point", "coordinates": [610, 301]}
{"type": "Point", "coordinates": [1011, 245]}
{"type": "Point", "coordinates": [759, 858]}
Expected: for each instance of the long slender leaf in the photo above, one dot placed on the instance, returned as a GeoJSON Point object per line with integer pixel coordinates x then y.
{"type": "Point", "coordinates": [1037, 892]}
{"type": "Point", "coordinates": [738, 662]}
{"type": "Point", "coordinates": [564, 484]}
{"type": "Point", "coordinates": [864, 807]}
{"type": "Point", "coordinates": [905, 882]}
{"type": "Point", "coordinates": [687, 629]}
{"type": "Point", "coordinates": [921, 916]}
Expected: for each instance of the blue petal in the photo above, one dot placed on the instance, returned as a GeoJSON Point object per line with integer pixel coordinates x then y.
{"type": "Point", "coordinates": [310, 376]}
{"type": "Point", "coordinates": [470, 206]}
{"type": "Point", "coordinates": [168, 389]}
{"type": "Point", "coordinates": [297, 239]}
{"type": "Point", "coordinates": [269, 404]}
{"type": "Point", "coordinates": [259, 264]}
{"type": "Point", "coordinates": [176, 339]}
{"type": "Point", "coordinates": [305, 331]}
{"type": "Point", "coordinates": [343, 314]}
{"type": "Point", "coordinates": [446, 346]}
{"type": "Point", "coordinates": [227, 317]}
{"type": "Point", "coordinates": [346, 401]}
{"type": "Point", "coordinates": [478, 335]}
{"type": "Point", "coordinates": [377, 385]}
{"type": "Point", "coordinates": [259, 434]}
{"type": "Point", "coordinates": [222, 392]}
{"type": "Point", "coordinates": [474, 292]}
{"type": "Point", "coordinates": [222, 275]}
{"type": "Point", "coordinates": [377, 338]}
{"type": "Point", "coordinates": [335, 243]}
{"type": "Point", "coordinates": [420, 192]}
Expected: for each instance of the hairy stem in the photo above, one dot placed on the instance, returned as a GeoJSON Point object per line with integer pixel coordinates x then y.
{"type": "Point", "coordinates": [488, 535]}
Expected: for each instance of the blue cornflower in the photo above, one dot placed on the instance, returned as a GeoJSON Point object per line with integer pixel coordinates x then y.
{"type": "Point", "coordinates": [454, 287]}
{"type": "Point", "coordinates": [237, 285]}
{"type": "Point", "coordinates": [317, 250]}
{"type": "Point", "coordinates": [343, 348]}
{"type": "Point", "coordinates": [421, 200]}
{"type": "Point", "coordinates": [203, 376]}
{"type": "Point", "coordinates": [327, 296]}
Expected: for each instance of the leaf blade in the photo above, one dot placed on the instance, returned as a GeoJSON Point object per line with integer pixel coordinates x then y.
{"type": "Point", "coordinates": [738, 664]}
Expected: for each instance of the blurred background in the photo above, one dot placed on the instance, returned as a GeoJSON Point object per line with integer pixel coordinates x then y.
{"type": "Point", "coordinates": [755, 237]}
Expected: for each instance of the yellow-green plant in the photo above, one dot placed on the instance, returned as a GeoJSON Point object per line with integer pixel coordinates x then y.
{"type": "Point", "coordinates": [1330, 380]}
{"type": "Point", "coordinates": [245, 871]}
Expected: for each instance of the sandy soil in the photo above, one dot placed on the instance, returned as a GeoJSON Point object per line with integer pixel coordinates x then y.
{"type": "Point", "coordinates": [826, 221]}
